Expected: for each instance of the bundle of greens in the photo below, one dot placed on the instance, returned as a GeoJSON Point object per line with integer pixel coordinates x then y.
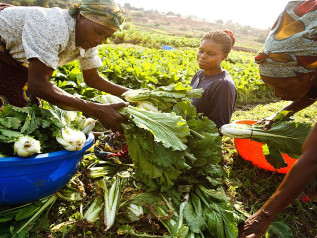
{"type": "Point", "coordinates": [31, 130]}
{"type": "Point", "coordinates": [156, 141]}
{"type": "Point", "coordinates": [284, 136]}
{"type": "Point", "coordinates": [163, 98]}
{"type": "Point", "coordinates": [176, 177]}
{"type": "Point", "coordinates": [22, 218]}
{"type": "Point", "coordinates": [199, 210]}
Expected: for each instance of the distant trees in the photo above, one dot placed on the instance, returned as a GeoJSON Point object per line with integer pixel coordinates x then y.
{"type": "Point", "coordinates": [127, 6]}
{"type": "Point", "coordinates": [41, 3]}
{"type": "Point", "coordinates": [261, 37]}
{"type": "Point", "coordinates": [170, 14]}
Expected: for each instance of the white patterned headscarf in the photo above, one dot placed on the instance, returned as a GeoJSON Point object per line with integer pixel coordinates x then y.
{"type": "Point", "coordinates": [103, 12]}
{"type": "Point", "coordinates": [291, 46]}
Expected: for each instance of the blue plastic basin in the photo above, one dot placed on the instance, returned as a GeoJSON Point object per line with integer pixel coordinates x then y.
{"type": "Point", "coordinates": [24, 180]}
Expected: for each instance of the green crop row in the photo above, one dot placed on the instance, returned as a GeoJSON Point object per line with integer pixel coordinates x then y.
{"type": "Point", "coordinates": [153, 40]}
{"type": "Point", "coordinates": [140, 67]}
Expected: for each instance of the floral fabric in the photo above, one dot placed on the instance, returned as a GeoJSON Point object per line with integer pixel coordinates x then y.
{"type": "Point", "coordinates": [13, 77]}
{"type": "Point", "coordinates": [13, 81]}
{"type": "Point", "coordinates": [291, 46]}
{"type": "Point", "coordinates": [44, 33]}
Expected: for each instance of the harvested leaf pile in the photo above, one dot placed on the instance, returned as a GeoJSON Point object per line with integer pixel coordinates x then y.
{"type": "Point", "coordinates": [170, 184]}
{"type": "Point", "coordinates": [32, 130]}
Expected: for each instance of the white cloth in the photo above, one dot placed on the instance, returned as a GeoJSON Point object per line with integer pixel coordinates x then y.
{"type": "Point", "coordinates": [44, 33]}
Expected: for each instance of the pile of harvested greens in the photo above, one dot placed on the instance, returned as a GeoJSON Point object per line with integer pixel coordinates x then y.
{"type": "Point", "coordinates": [163, 178]}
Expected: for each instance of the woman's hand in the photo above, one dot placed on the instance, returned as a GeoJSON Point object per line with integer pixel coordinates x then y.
{"type": "Point", "coordinates": [255, 226]}
{"type": "Point", "coordinates": [268, 121]}
{"type": "Point", "coordinates": [109, 116]}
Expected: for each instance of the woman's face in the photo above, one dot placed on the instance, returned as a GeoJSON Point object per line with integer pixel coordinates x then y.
{"type": "Point", "coordinates": [210, 56]}
{"type": "Point", "coordinates": [291, 88]}
{"type": "Point", "coordinates": [90, 34]}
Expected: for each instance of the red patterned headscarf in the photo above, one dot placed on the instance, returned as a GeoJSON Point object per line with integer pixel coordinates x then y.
{"type": "Point", "coordinates": [291, 46]}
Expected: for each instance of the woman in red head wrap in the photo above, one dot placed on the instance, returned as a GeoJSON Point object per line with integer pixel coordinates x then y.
{"type": "Point", "coordinates": [288, 64]}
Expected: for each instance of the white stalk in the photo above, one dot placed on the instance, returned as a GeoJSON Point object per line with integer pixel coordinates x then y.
{"type": "Point", "coordinates": [236, 131]}
{"type": "Point", "coordinates": [80, 122]}
{"type": "Point", "coordinates": [71, 139]}
{"type": "Point", "coordinates": [135, 209]}
{"type": "Point", "coordinates": [181, 211]}
{"type": "Point", "coordinates": [109, 99]}
{"type": "Point", "coordinates": [148, 106]}
{"type": "Point", "coordinates": [92, 213]}
{"type": "Point", "coordinates": [88, 125]}
{"type": "Point", "coordinates": [70, 116]}
{"type": "Point", "coordinates": [131, 95]}
{"type": "Point", "coordinates": [111, 204]}
{"type": "Point", "coordinates": [26, 146]}
{"type": "Point", "coordinates": [244, 131]}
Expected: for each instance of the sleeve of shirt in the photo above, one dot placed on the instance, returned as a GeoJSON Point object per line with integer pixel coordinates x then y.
{"type": "Point", "coordinates": [195, 80]}
{"type": "Point", "coordinates": [90, 59]}
{"type": "Point", "coordinates": [222, 103]}
{"type": "Point", "coordinates": [44, 37]}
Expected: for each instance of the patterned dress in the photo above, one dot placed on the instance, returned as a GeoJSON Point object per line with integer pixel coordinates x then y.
{"type": "Point", "coordinates": [47, 34]}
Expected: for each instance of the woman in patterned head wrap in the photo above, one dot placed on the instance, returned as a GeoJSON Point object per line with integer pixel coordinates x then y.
{"type": "Point", "coordinates": [288, 64]}
{"type": "Point", "coordinates": [34, 41]}
{"type": "Point", "coordinates": [102, 13]}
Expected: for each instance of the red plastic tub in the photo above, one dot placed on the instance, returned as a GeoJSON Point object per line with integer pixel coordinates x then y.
{"type": "Point", "coordinates": [252, 151]}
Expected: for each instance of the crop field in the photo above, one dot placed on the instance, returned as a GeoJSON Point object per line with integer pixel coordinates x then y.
{"type": "Point", "coordinates": [236, 188]}
{"type": "Point", "coordinates": [140, 67]}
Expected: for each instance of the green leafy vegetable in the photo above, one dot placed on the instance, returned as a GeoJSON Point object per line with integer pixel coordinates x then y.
{"type": "Point", "coordinates": [284, 136]}
{"type": "Point", "coordinates": [32, 129]}
{"type": "Point", "coordinates": [167, 128]}
{"type": "Point", "coordinates": [164, 97]}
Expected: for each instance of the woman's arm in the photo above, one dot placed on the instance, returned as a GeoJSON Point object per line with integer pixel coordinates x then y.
{"type": "Point", "coordinates": [301, 173]}
{"type": "Point", "coordinates": [295, 106]}
{"type": "Point", "coordinates": [299, 105]}
{"type": "Point", "coordinates": [40, 86]}
{"type": "Point", "coordinates": [95, 80]}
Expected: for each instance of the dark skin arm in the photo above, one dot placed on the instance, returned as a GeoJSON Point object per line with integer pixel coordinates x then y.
{"type": "Point", "coordinates": [303, 170]}
{"type": "Point", "coordinates": [40, 86]}
{"type": "Point", "coordinates": [295, 106]}
{"type": "Point", "coordinates": [301, 173]}
{"type": "Point", "coordinates": [94, 80]}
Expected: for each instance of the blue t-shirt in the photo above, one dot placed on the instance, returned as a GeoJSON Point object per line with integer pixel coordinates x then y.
{"type": "Point", "coordinates": [219, 97]}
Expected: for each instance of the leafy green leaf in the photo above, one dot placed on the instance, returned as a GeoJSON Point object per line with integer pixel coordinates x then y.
{"type": "Point", "coordinates": [214, 224]}
{"type": "Point", "coordinates": [287, 136]}
{"type": "Point", "coordinates": [7, 136]}
{"type": "Point", "coordinates": [283, 137]}
{"type": "Point", "coordinates": [167, 128]}
{"type": "Point", "coordinates": [11, 122]}
{"type": "Point", "coordinates": [186, 110]}
{"type": "Point", "coordinates": [273, 156]}
{"type": "Point", "coordinates": [193, 214]}
{"type": "Point", "coordinates": [280, 229]}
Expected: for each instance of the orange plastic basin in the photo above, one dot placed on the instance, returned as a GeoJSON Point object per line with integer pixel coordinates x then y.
{"type": "Point", "coordinates": [252, 151]}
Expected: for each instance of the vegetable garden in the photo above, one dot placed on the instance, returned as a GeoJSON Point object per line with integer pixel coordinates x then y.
{"type": "Point", "coordinates": [180, 179]}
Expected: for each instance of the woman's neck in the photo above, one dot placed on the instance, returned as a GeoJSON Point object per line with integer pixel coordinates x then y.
{"type": "Point", "coordinates": [314, 79]}
{"type": "Point", "coordinates": [212, 72]}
